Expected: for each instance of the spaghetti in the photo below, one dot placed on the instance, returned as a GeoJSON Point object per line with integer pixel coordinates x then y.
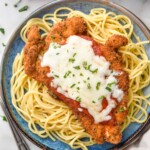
{"type": "Point", "coordinates": [48, 117]}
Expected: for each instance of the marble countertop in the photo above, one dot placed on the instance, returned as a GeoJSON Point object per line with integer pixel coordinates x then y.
{"type": "Point", "coordinates": [10, 18]}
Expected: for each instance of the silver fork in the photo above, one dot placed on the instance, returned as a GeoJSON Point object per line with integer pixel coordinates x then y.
{"type": "Point", "coordinates": [21, 143]}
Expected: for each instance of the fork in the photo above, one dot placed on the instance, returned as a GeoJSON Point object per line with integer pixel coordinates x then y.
{"type": "Point", "coordinates": [21, 143]}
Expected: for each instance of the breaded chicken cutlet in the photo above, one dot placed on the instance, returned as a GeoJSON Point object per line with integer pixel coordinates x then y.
{"type": "Point", "coordinates": [109, 131]}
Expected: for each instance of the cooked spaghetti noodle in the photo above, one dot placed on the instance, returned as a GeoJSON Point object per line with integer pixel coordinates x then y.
{"type": "Point", "coordinates": [54, 119]}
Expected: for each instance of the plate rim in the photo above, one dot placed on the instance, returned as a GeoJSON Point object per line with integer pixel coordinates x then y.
{"type": "Point", "coordinates": [142, 129]}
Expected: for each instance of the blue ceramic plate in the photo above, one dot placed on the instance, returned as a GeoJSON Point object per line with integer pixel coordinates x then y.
{"type": "Point", "coordinates": [132, 133]}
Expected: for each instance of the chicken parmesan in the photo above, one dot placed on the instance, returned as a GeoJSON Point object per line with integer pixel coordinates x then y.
{"type": "Point", "coordinates": [87, 76]}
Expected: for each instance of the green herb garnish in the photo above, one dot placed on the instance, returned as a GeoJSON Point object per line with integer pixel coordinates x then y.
{"type": "Point", "coordinates": [17, 3]}
{"type": "Point", "coordinates": [108, 89]}
{"type": "Point", "coordinates": [85, 65]}
{"type": "Point", "coordinates": [84, 81]}
{"type": "Point", "coordinates": [78, 88]}
{"type": "Point", "coordinates": [121, 109]}
{"type": "Point", "coordinates": [93, 101]}
{"type": "Point", "coordinates": [4, 118]}
{"type": "Point", "coordinates": [67, 74]}
{"type": "Point", "coordinates": [74, 54]}
{"type": "Point", "coordinates": [56, 76]}
{"type": "Point", "coordinates": [88, 78]}
{"type": "Point", "coordinates": [89, 66]}
{"type": "Point", "coordinates": [72, 85]}
{"type": "Point", "coordinates": [6, 4]}
{"type": "Point", "coordinates": [2, 30]}
{"type": "Point", "coordinates": [81, 74]}
{"type": "Point", "coordinates": [98, 85]}
{"type": "Point", "coordinates": [78, 99]}
{"type": "Point", "coordinates": [24, 8]}
{"type": "Point", "coordinates": [3, 44]}
{"type": "Point", "coordinates": [71, 60]}
{"type": "Point", "coordinates": [55, 45]}
{"type": "Point", "coordinates": [88, 86]}
{"type": "Point", "coordinates": [77, 67]}
{"type": "Point", "coordinates": [110, 84]}
{"type": "Point", "coordinates": [94, 71]}
{"type": "Point", "coordinates": [101, 97]}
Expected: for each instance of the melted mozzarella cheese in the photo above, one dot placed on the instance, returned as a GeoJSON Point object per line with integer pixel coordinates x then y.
{"type": "Point", "coordinates": [83, 76]}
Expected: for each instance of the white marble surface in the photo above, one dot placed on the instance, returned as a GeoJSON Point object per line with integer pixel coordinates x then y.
{"type": "Point", "coordinates": [10, 18]}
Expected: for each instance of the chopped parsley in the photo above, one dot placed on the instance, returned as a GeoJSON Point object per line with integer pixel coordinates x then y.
{"type": "Point", "coordinates": [55, 45]}
{"type": "Point", "coordinates": [85, 65]}
{"type": "Point", "coordinates": [77, 67]}
{"type": "Point", "coordinates": [101, 97]}
{"type": "Point", "coordinates": [4, 118]}
{"type": "Point", "coordinates": [121, 109]}
{"type": "Point", "coordinates": [67, 74]}
{"type": "Point", "coordinates": [93, 101]}
{"type": "Point", "coordinates": [78, 99]}
{"type": "Point", "coordinates": [2, 30]}
{"type": "Point", "coordinates": [3, 44]}
{"type": "Point", "coordinates": [98, 85]}
{"type": "Point", "coordinates": [56, 76]}
{"type": "Point", "coordinates": [109, 86]}
{"type": "Point", "coordinates": [74, 54]}
{"type": "Point", "coordinates": [88, 67]}
{"type": "Point", "coordinates": [72, 85]}
{"type": "Point", "coordinates": [57, 53]}
{"type": "Point", "coordinates": [94, 71]}
{"type": "Point", "coordinates": [108, 89]}
{"type": "Point", "coordinates": [71, 60]}
{"type": "Point", "coordinates": [89, 86]}
{"type": "Point", "coordinates": [81, 74]}
{"type": "Point", "coordinates": [24, 8]}
{"type": "Point", "coordinates": [78, 88]}
{"type": "Point", "coordinates": [17, 3]}
{"type": "Point", "coordinates": [88, 78]}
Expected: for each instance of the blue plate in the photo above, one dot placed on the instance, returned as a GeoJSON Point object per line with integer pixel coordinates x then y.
{"type": "Point", "coordinates": [132, 133]}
